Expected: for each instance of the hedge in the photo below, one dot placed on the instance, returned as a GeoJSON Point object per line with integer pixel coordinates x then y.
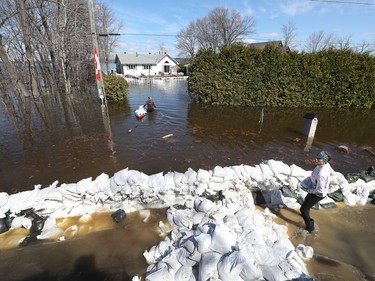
{"type": "Point", "coordinates": [243, 75]}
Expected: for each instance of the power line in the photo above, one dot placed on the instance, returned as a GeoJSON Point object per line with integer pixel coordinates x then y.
{"type": "Point", "coordinates": [136, 34]}
{"type": "Point", "coordinates": [345, 2]}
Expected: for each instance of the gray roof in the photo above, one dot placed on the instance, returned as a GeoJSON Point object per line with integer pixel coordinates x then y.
{"type": "Point", "coordinates": [124, 58]}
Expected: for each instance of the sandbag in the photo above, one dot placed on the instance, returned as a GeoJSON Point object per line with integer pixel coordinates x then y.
{"type": "Point", "coordinates": [223, 239]}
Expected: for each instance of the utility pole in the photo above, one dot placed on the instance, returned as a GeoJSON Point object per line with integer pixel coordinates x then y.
{"type": "Point", "coordinates": [99, 77]}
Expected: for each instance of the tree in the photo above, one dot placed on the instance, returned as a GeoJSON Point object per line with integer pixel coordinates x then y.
{"type": "Point", "coordinates": [230, 26]}
{"type": "Point", "coordinates": [289, 31]}
{"type": "Point", "coordinates": [220, 27]}
{"type": "Point", "coordinates": [106, 26]}
{"type": "Point", "coordinates": [319, 41]}
{"type": "Point", "coordinates": [187, 41]}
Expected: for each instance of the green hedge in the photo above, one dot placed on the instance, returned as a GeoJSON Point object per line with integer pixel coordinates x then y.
{"type": "Point", "coordinates": [242, 75]}
{"type": "Point", "coordinates": [116, 87]}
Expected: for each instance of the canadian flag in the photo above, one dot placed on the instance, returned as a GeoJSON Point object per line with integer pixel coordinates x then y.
{"type": "Point", "coordinates": [97, 64]}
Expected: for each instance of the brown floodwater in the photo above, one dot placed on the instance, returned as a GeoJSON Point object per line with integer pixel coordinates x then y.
{"type": "Point", "coordinates": [76, 139]}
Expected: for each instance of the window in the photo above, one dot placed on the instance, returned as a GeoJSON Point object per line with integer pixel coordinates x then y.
{"type": "Point", "coordinates": [147, 67]}
{"type": "Point", "coordinates": [166, 68]}
{"type": "Point", "coordinates": [132, 66]}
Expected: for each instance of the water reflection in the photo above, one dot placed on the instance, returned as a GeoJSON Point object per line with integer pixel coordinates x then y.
{"type": "Point", "coordinates": [75, 139]}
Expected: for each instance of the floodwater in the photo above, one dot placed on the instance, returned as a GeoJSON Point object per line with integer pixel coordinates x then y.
{"type": "Point", "coordinates": [84, 141]}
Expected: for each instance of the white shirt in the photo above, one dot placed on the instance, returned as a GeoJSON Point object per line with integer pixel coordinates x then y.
{"type": "Point", "coordinates": [320, 178]}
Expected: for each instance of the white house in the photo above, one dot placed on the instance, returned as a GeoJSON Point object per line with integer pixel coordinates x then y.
{"type": "Point", "coordinates": [145, 64]}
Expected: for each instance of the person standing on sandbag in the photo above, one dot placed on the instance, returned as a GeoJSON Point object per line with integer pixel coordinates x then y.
{"type": "Point", "coordinates": [316, 186]}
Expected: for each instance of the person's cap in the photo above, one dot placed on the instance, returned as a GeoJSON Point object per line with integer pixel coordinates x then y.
{"type": "Point", "coordinates": [324, 156]}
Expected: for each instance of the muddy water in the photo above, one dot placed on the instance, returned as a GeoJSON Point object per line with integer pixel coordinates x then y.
{"type": "Point", "coordinates": [83, 141]}
{"type": "Point", "coordinates": [343, 243]}
{"type": "Point", "coordinates": [99, 250]}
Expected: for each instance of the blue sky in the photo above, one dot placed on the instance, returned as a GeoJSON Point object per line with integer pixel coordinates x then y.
{"type": "Point", "coordinates": [167, 17]}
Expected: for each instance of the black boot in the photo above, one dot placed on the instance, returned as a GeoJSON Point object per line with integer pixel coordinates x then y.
{"type": "Point", "coordinates": [310, 225]}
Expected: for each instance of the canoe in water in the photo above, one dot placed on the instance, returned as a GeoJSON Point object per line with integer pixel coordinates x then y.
{"type": "Point", "coordinates": [140, 112]}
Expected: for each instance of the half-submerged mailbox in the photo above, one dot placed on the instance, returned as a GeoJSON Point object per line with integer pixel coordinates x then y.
{"type": "Point", "coordinates": [310, 122]}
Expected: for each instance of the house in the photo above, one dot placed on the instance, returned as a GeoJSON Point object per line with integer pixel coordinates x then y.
{"type": "Point", "coordinates": [278, 44]}
{"type": "Point", "coordinates": [145, 64]}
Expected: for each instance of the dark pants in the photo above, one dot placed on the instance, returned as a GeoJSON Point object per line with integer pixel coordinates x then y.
{"type": "Point", "coordinates": [310, 200]}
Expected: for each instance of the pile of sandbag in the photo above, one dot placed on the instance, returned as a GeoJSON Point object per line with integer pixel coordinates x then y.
{"type": "Point", "coordinates": [133, 190]}
{"type": "Point", "coordinates": [225, 242]}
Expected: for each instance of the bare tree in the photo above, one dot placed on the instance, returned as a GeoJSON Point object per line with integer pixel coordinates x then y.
{"type": "Point", "coordinates": [219, 28]}
{"type": "Point", "coordinates": [365, 48]}
{"type": "Point", "coordinates": [108, 28]}
{"type": "Point", "coordinates": [230, 26]}
{"type": "Point", "coordinates": [320, 41]}
{"type": "Point", "coordinates": [289, 31]}
{"type": "Point", "coordinates": [343, 43]}
{"type": "Point", "coordinates": [187, 41]}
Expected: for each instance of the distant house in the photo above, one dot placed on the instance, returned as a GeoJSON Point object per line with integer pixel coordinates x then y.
{"type": "Point", "coordinates": [145, 64]}
{"type": "Point", "coordinates": [278, 44]}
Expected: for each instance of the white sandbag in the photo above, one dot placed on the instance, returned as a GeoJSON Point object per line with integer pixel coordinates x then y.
{"type": "Point", "coordinates": [17, 201]}
{"type": "Point", "coordinates": [201, 188]}
{"type": "Point", "coordinates": [181, 218]}
{"type": "Point", "coordinates": [219, 171]}
{"type": "Point", "coordinates": [338, 182]}
{"type": "Point", "coordinates": [203, 205]}
{"type": "Point", "coordinates": [223, 239]}
{"type": "Point", "coordinates": [103, 184]}
{"type": "Point", "coordinates": [208, 266]}
{"type": "Point", "coordinates": [183, 257]}
{"type": "Point", "coordinates": [306, 252]}
{"type": "Point", "coordinates": [189, 177]}
{"type": "Point", "coordinates": [298, 172]}
{"type": "Point", "coordinates": [203, 242]}
{"type": "Point", "coordinates": [189, 244]}
{"type": "Point", "coordinates": [350, 199]}
{"type": "Point", "coordinates": [169, 181]}
{"type": "Point", "coordinates": [272, 273]}
{"type": "Point", "coordinates": [217, 186]}
{"type": "Point", "coordinates": [156, 181]}
{"type": "Point", "coordinates": [278, 167]}
{"type": "Point", "coordinates": [265, 255]}
{"type": "Point", "coordinates": [21, 222]}
{"type": "Point", "coordinates": [283, 247]}
{"type": "Point", "coordinates": [230, 266]}
{"type": "Point", "coordinates": [254, 238]}
{"type": "Point", "coordinates": [248, 201]}
{"type": "Point", "coordinates": [240, 171]}
{"type": "Point", "coordinates": [231, 222]}
{"type": "Point", "coordinates": [203, 176]}
{"type": "Point", "coordinates": [184, 273]}
{"type": "Point", "coordinates": [291, 269]}
{"type": "Point", "coordinates": [161, 274]}
{"type": "Point", "coordinates": [291, 203]}
{"type": "Point", "coordinates": [266, 170]}
{"type": "Point", "coordinates": [293, 183]}
{"type": "Point", "coordinates": [172, 261]}
{"type": "Point", "coordinates": [81, 187]}
{"type": "Point", "coordinates": [244, 218]}
{"type": "Point", "coordinates": [216, 179]}
{"type": "Point", "coordinates": [121, 177]}
{"type": "Point", "coordinates": [254, 172]}
{"type": "Point", "coordinates": [134, 177]}
{"type": "Point", "coordinates": [363, 194]}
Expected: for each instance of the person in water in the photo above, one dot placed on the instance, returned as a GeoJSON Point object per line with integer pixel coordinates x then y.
{"type": "Point", "coordinates": [316, 186]}
{"type": "Point", "coordinates": [149, 105]}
